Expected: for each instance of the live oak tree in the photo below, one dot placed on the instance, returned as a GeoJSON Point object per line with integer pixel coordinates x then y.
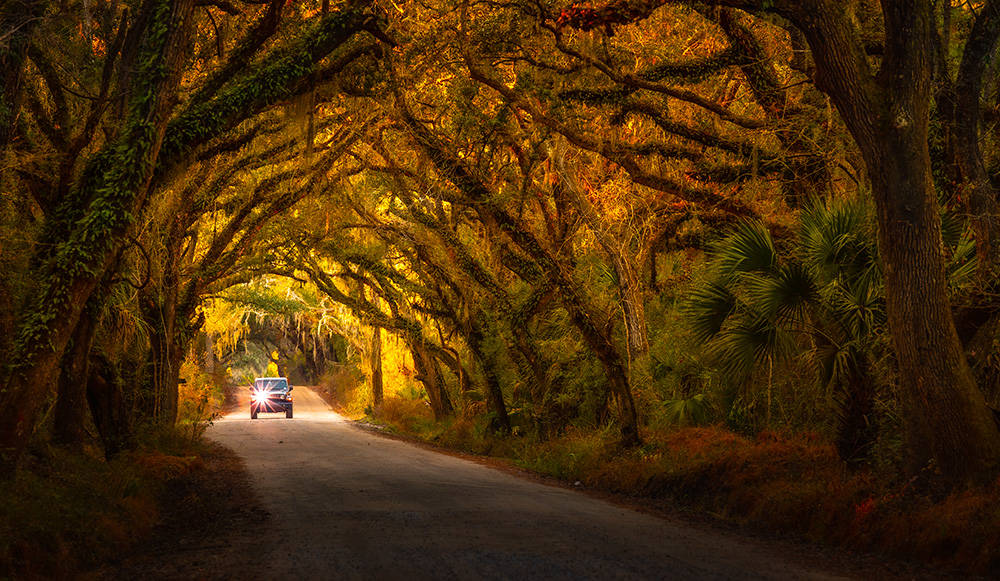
{"type": "Point", "coordinates": [876, 65]}
{"type": "Point", "coordinates": [887, 110]}
{"type": "Point", "coordinates": [478, 193]}
{"type": "Point", "coordinates": [87, 225]}
{"type": "Point", "coordinates": [885, 102]}
{"type": "Point", "coordinates": [105, 181]}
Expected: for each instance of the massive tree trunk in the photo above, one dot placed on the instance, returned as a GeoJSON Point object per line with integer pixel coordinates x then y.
{"type": "Point", "coordinates": [84, 237]}
{"type": "Point", "coordinates": [70, 415]}
{"type": "Point", "coordinates": [948, 426]}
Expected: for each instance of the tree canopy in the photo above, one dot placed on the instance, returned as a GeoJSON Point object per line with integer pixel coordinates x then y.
{"type": "Point", "coordinates": [562, 213]}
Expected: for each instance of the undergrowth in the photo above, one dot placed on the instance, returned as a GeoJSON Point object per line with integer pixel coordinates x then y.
{"type": "Point", "coordinates": [66, 512]}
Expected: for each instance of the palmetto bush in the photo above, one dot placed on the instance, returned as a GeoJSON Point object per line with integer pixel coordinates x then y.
{"type": "Point", "coordinates": [823, 300]}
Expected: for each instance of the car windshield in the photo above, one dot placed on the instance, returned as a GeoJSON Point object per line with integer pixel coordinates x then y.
{"type": "Point", "coordinates": [271, 384]}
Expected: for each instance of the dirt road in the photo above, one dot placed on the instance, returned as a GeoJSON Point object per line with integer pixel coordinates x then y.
{"type": "Point", "coordinates": [348, 504]}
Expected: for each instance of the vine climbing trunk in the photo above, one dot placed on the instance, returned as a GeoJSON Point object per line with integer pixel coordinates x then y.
{"type": "Point", "coordinates": [88, 229]}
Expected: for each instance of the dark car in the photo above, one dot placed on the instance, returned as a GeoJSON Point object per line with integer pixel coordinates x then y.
{"type": "Point", "coordinates": [270, 394]}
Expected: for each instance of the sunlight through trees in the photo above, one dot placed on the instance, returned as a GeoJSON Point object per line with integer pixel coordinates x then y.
{"type": "Point", "coordinates": [538, 217]}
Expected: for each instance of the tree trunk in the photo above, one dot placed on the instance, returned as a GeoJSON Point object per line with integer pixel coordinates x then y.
{"type": "Point", "coordinates": [70, 415]}
{"type": "Point", "coordinates": [429, 374]}
{"type": "Point", "coordinates": [494, 392]}
{"type": "Point", "coordinates": [107, 407]}
{"type": "Point", "coordinates": [980, 194]}
{"type": "Point", "coordinates": [82, 242]}
{"type": "Point", "coordinates": [18, 21]}
{"type": "Point", "coordinates": [171, 333]}
{"type": "Point", "coordinates": [463, 177]}
{"type": "Point", "coordinates": [622, 258]}
{"type": "Point", "coordinates": [166, 355]}
{"type": "Point", "coordinates": [210, 355]}
{"type": "Point", "coordinates": [376, 364]}
{"type": "Point", "coordinates": [947, 422]}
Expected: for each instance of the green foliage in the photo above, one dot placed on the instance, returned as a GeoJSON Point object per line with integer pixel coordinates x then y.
{"type": "Point", "coordinates": [748, 250]}
{"type": "Point", "coordinates": [824, 302]}
{"type": "Point", "coordinates": [89, 225]}
{"type": "Point", "coordinates": [273, 79]}
{"type": "Point", "coordinates": [709, 307]}
{"type": "Point", "coordinates": [262, 300]}
{"type": "Point", "coordinates": [693, 411]}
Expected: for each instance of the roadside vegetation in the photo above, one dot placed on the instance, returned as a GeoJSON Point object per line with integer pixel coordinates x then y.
{"type": "Point", "coordinates": [785, 482]}
{"type": "Point", "coordinates": [70, 511]}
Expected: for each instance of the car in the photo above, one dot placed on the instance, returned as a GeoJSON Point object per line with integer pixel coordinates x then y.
{"type": "Point", "coordinates": [270, 394]}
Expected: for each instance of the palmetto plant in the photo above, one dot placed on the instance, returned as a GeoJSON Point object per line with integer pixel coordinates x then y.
{"type": "Point", "coordinates": [824, 299]}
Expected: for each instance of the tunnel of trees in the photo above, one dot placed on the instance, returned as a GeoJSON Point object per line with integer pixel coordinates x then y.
{"type": "Point", "coordinates": [756, 212]}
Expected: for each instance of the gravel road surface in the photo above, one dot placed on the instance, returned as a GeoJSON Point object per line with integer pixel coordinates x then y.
{"type": "Point", "coordinates": [346, 503]}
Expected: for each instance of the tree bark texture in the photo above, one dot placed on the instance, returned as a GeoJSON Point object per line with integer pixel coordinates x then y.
{"type": "Point", "coordinates": [85, 242]}
{"type": "Point", "coordinates": [376, 364]}
{"type": "Point", "coordinates": [948, 426]}
{"type": "Point", "coordinates": [429, 374]}
{"type": "Point", "coordinates": [70, 414]}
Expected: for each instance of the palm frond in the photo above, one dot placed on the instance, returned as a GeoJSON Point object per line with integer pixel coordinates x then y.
{"type": "Point", "coordinates": [750, 341]}
{"type": "Point", "coordinates": [963, 262]}
{"type": "Point", "coordinates": [953, 228]}
{"type": "Point", "coordinates": [838, 239]}
{"type": "Point", "coordinates": [693, 411]}
{"type": "Point", "coordinates": [749, 249]}
{"type": "Point", "coordinates": [859, 308]}
{"type": "Point", "coordinates": [787, 294]}
{"type": "Point", "coordinates": [708, 308]}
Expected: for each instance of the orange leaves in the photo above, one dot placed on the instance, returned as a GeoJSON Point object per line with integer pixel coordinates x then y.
{"type": "Point", "coordinates": [579, 17]}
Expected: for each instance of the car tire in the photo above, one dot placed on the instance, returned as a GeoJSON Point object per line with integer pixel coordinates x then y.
{"type": "Point", "coordinates": [288, 413]}
{"type": "Point", "coordinates": [253, 414]}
